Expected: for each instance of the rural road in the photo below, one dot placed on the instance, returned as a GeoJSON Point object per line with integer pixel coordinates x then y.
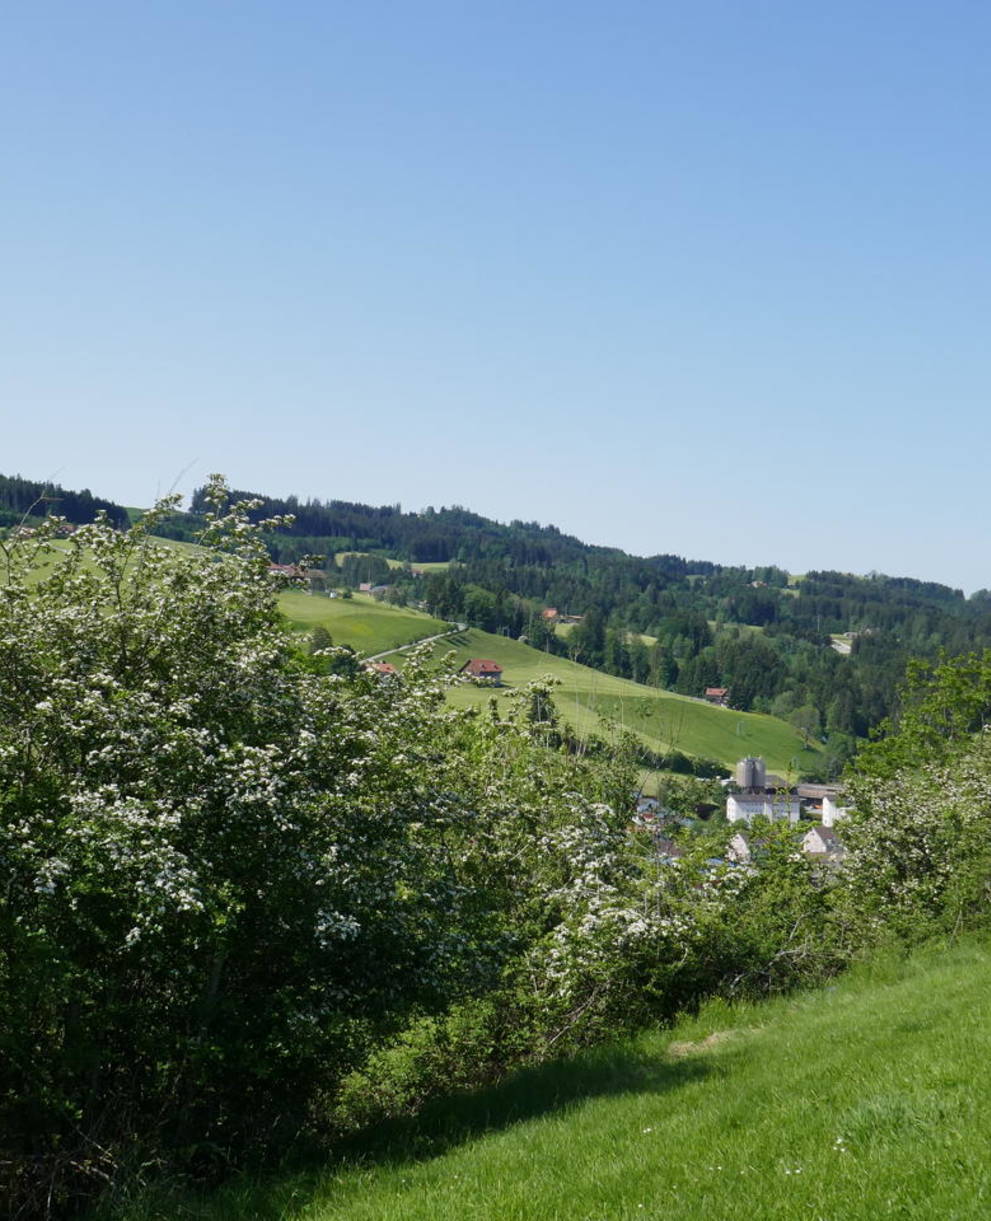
{"type": "Point", "coordinates": [456, 631]}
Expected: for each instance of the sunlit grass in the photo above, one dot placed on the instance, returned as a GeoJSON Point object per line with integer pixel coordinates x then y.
{"type": "Point", "coordinates": [360, 622]}
{"type": "Point", "coordinates": [865, 1099]}
{"type": "Point", "coordinates": [663, 719]}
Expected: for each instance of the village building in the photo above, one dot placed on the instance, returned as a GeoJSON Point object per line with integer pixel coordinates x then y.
{"type": "Point", "coordinates": [482, 667]}
{"type": "Point", "coordinates": [718, 696]}
{"type": "Point", "coordinates": [738, 849]}
{"type": "Point", "coordinates": [823, 842]}
{"type": "Point", "coordinates": [383, 668]}
{"type": "Point", "coordinates": [822, 801]}
{"type": "Point", "coordinates": [775, 807]}
{"type": "Point", "coordinates": [760, 796]}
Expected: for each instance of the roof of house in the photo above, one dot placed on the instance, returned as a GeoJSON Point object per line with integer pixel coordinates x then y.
{"type": "Point", "coordinates": [550, 612]}
{"type": "Point", "coordinates": [382, 667]}
{"type": "Point", "coordinates": [818, 791]}
{"type": "Point", "coordinates": [481, 667]}
{"type": "Point", "coordinates": [717, 690]}
{"type": "Point", "coordinates": [828, 836]}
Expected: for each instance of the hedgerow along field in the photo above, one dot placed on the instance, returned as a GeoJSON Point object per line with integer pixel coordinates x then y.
{"type": "Point", "coordinates": [662, 719]}
{"type": "Point", "coordinates": [861, 1100]}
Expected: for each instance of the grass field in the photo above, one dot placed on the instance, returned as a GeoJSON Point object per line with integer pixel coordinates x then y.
{"type": "Point", "coordinates": [661, 718]}
{"type": "Point", "coordinates": [863, 1100]}
{"type": "Point", "coordinates": [361, 622]}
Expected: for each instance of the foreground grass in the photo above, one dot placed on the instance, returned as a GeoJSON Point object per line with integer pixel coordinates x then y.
{"type": "Point", "coordinates": [862, 1100]}
{"type": "Point", "coordinates": [662, 719]}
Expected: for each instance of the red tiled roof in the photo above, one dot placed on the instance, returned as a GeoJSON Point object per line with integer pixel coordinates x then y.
{"type": "Point", "coordinates": [717, 690]}
{"type": "Point", "coordinates": [481, 667]}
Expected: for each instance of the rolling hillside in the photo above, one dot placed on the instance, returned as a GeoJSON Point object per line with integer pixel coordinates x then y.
{"type": "Point", "coordinates": [860, 1101]}
{"type": "Point", "coordinates": [360, 622]}
{"type": "Point", "coordinates": [662, 719]}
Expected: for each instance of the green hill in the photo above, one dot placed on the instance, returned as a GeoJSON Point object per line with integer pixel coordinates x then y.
{"type": "Point", "coordinates": [662, 719]}
{"type": "Point", "coordinates": [361, 622]}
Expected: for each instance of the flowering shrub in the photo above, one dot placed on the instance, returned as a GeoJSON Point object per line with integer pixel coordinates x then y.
{"type": "Point", "coordinates": [920, 858]}
{"type": "Point", "coordinates": [224, 877]}
{"type": "Point", "coordinates": [642, 937]}
{"type": "Point", "coordinates": [234, 876]}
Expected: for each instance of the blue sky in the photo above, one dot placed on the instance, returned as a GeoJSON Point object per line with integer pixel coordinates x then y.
{"type": "Point", "coordinates": [706, 278]}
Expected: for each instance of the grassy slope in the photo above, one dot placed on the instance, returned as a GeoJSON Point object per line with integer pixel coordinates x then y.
{"type": "Point", "coordinates": [662, 718]}
{"type": "Point", "coordinates": [361, 622]}
{"type": "Point", "coordinates": [866, 1099]}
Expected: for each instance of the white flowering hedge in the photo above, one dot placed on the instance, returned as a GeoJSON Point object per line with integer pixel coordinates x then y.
{"type": "Point", "coordinates": [229, 880]}
{"type": "Point", "coordinates": [224, 876]}
{"type": "Point", "coordinates": [920, 850]}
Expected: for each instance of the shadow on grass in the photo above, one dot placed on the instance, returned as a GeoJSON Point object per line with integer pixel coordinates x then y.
{"type": "Point", "coordinates": [443, 1125]}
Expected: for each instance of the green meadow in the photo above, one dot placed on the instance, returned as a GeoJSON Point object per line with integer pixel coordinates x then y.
{"type": "Point", "coordinates": [662, 719]}
{"type": "Point", "coordinates": [861, 1100]}
{"type": "Point", "coordinates": [361, 622]}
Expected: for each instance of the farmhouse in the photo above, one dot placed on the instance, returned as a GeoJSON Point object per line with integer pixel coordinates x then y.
{"type": "Point", "coordinates": [481, 667]}
{"type": "Point", "coordinates": [775, 807]}
{"type": "Point", "coordinates": [759, 796]}
{"type": "Point", "coordinates": [718, 696]}
{"type": "Point", "coordinates": [384, 668]}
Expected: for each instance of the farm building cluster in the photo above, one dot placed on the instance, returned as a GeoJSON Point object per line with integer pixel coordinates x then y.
{"type": "Point", "coordinates": [753, 793]}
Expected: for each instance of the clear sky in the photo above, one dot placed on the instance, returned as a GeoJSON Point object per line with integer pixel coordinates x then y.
{"type": "Point", "coordinates": [704, 278]}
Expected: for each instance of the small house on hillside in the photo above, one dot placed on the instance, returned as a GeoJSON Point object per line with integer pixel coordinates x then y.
{"type": "Point", "coordinates": [550, 614]}
{"type": "Point", "coordinates": [718, 696]}
{"type": "Point", "coordinates": [383, 668]}
{"type": "Point", "coordinates": [482, 667]}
